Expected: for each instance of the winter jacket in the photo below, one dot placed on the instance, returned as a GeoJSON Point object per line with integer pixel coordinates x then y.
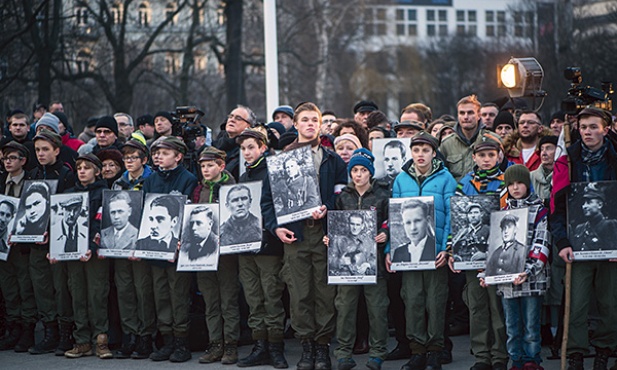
{"type": "Point", "coordinates": [57, 171]}
{"type": "Point", "coordinates": [483, 182]}
{"type": "Point", "coordinates": [95, 208]}
{"type": "Point", "coordinates": [178, 181]}
{"type": "Point", "coordinates": [542, 183]}
{"type": "Point", "coordinates": [208, 191]}
{"type": "Point", "coordinates": [538, 250]}
{"type": "Point", "coordinates": [258, 171]}
{"type": "Point", "coordinates": [332, 174]}
{"type": "Point", "coordinates": [514, 153]}
{"type": "Point", "coordinates": [232, 150]}
{"type": "Point", "coordinates": [458, 150]}
{"type": "Point", "coordinates": [606, 170]}
{"type": "Point", "coordinates": [71, 142]}
{"type": "Point", "coordinates": [440, 184]}
{"type": "Point", "coordinates": [124, 183]}
{"type": "Point", "coordinates": [375, 198]}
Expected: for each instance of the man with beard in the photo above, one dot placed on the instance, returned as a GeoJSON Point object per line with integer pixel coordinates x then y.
{"type": "Point", "coordinates": [242, 226]}
{"type": "Point", "coordinates": [521, 146]}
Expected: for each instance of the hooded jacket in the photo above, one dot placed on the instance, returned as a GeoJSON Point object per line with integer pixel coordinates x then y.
{"type": "Point", "coordinates": [512, 147]}
{"type": "Point", "coordinates": [439, 184]}
{"type": "Point", "coordinates": [124, 183]}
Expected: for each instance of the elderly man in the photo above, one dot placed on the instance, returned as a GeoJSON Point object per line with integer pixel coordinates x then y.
{"type": "Point", "coordinates": [238, 120]}
{"type": "Point", "coordinates": [361, 111]}
{"type": "Point", "coordinates": [125, 125]}
{"type": "Point", "coordinates": [106, 131]}
{"type": "Point", "coordinates": [285, 116]}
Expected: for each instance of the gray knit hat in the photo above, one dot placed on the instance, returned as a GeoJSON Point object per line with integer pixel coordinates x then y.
{"type": "Point", "coordinates": [49, 120]}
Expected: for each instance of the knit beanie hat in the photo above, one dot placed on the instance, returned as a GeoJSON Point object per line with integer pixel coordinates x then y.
{"type": "Point", "coordinates": [362, 157]}
{"type": "Point", "coordinates": [284, 109]}
{"type": "Point", "coordinates": [113, 154]}
{"type": "Point", "coordinates": [165, 114]}
{"type": "Point", "coordinates": [504, 118]}
{"type": "Point", "coordinates": [517, 173]}
{"type": "Point", "coordinates": [349, 137]}
{"type": "Point", "coordinates": [49, 120]}
{"type": "Point", "coordinates": [549, 139]}
{"type": "Point", "coordinates": [107, 122]}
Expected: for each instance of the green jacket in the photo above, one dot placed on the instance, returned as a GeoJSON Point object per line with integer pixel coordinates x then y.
{"type": "Point", "coordinates": [457, 150]}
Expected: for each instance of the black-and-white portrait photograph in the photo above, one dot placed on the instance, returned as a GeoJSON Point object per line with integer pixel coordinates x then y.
{"type": "Point", "coordinates": [160, 226]}
{"type": "Point", "coordinates": [33, 211]}
{"type": "Point", "coordinates": [352, 250]}
{"type": "Point", "coordinates": [122, 211]}
{"type": "Point", "coordinates": [68, 237]}
{"type": "Point", "coordinates": [8, 211]}
{"type": "Point", "coordinates": [592, 220]}
{"type": "Point", "coordinates": [412, 233]}
{"type": "Point", "coordinates": [293, 181]}
{"type": "Point", "coordinates": [507, 250]}
{"type": "Point", "coordinates": [390, 155]}
{"type": "Point", "coordinates": [240, 212]}
{"type": "Point", "coordinates": [470, 220]}
{"type": "Point", "coordinates": [199, 250]}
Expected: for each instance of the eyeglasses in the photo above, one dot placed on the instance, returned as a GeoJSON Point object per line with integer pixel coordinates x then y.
{"type": "Point", "coordinates": [131, 159]}
{"type": "Point", "coordinates": [11, 159]}
{"type": "Point", "coordinates": [238, 118]}
{"type": "Point", "coordinates": [103, 132]}
{"type": "Point", "coordinates": [528, 122]}
{"type": "Point", "coordinates": [326, 121]}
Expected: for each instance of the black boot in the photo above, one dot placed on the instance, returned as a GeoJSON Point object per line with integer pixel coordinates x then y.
{"type": "Point", "coordinates": [576, 361]}
{"type": "Point", "coordinates": [49, 342]}
{"type": "Point", "coordinates": [258, 356]}
{"type": "Point", "coordinates": [307, 359]}
{"type": "Point", "coordinates": [26, 340]}
{"type": "Point", "coordinates": [13, 333]}
{"type": "Point", "coordinates": [277, 355]}
{"type": "Point", "coordinates": [181, 352]}
{"type": "Point", "coordinates": [601, 360]}
{"type": "Point", "coordinates": [66, 341]}
{"type": "Point", "coordinates": [164, 352]}
{"type": "Point", "coordinates": [143, 349]}
{"type": "Point", "coordinates": [322, 357]}
{"type": "Point", "coordinates": [128, 346]}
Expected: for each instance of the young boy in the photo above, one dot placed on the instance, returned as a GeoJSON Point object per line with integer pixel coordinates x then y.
{"type": "Point", "coordinates": [486, 324]}
{"type": "Point", "coordinates": [425, 292]}
{"type": "Point", "coordinates": [260, 272]}
{"type": "Point", "coordinates": [14, 273]}
{"type": "Point", "coordinates": [363, 192]}
{"type": "Point", "coordinates": [522, 300]}
{"type": "Point", "coordinates": [220, 289]}
{"type": "Point", "coordinates": [171, 288]}
{"type": "Point", "coordinates": [133, 277]}
{"type": "Point", "coordinates": [50, 283]}
{"type": "Point", "coordinates": [306, 257]}
{"type": "Point", "coordinates": [89, 278]}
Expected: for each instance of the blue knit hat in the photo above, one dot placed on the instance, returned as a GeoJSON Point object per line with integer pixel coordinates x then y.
{"type": "Point", "coordinates": [362, 157]}
{"type": "Point", "coordinates": [288, 110]}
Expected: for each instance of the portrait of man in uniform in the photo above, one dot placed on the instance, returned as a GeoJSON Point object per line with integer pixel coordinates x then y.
{"type": "Point", "coordinates": [595, 230]}
{"type": "Point", "coordinates": [509, 257]}
{"type": "Point", "coordinates": [352, 251]}
{"type": "Point", "coordinates": [470, 242]}
{"type": "Point", "coordinates": [241, 226]}
{"type": "Point", "coordinates": [394, 155]}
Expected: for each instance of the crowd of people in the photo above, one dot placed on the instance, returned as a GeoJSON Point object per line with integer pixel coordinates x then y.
{"type": "Point", "coordinates": [504, 150]}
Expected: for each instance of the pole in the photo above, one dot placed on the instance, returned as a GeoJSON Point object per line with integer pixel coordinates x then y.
{"type": "Point", "coordinates": [568, 276]}
{"type": "Point", "coordinates": [271, 56]}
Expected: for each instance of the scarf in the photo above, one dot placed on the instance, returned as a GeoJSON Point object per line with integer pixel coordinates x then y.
{"type": "Point", "coordinates": [481, 178]}
{"type": "Point", "coordinates": [295, 144]}
{"type": "Point", "coordinates": [213, 184]}
{"type": "Point", "coordinates": [592, 158]}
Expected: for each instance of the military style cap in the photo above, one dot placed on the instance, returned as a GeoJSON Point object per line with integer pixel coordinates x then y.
{"type": "Point", "coordinates": [593, 193]}
{"type": "Point", "coordinates": [92, 159]}
{"type": "Point", "coordinates": [423, 137]}
{"type": "Point", "coordinates": [596, 112]}
{"type": "Point", "coordinates": [252, 133]}
{"type": "Point", "coordinates": [410, 124]}
{"type": "Point", "coordinates": [136, 144]}
{"type": "Point", "coordinates": [169, 142]}
{"type": "Point", "coordinates": [13, 146]}
{"type": "Point", "coordinates": [471, 206]}
{"type": "Point", "coordinates": [488, 143]}
{"type": "Point", "coordinates": [211, 153]}
{"type": "Point", "coordinates": [49, 136]}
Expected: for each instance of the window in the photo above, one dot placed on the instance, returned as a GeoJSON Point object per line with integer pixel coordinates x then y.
{"type": "Point", "coordinates": [170, 11]}
{"type": "Point", "coordinates": [406, 22]}
{"type": "Point", "coordinates": [466, 23]}
{"type": "Point", "coordinates": [81, 16]}
{"type": "Point", "coordinates": [495, 23]}
{"type": "Point", "coordinates": [116, 14]}
{"type": "Point", "coordinates": [83, 61]}
{"type": "Point", "coordinates": [523, 24]}
{"type": "Point", "coordinates": [172, 63]}
{"type": "Point", "coordinates": [200, 61]}
{"type": "Point", "coordinates": [144, 14]}
{"type": "Point", "coordinates": [375, 22]}
{"type": "Point", "coordinates": [436, 22]}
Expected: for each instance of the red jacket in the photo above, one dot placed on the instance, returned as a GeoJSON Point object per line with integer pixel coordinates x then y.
{"type": "Point", "coordinates": [71, 142]}
{"type": "Point", "coordinates": [533, 162]}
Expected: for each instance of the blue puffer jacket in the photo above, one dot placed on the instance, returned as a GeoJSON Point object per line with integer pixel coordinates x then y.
{"type": "Point", "coordinates": [440, 184]}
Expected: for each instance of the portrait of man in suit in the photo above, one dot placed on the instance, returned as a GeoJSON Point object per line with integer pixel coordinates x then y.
{"type": "Point", "coordinates": [242, 226]}
{"type": "Point", "coordinates": [394, 156]}
{"type": "Point", "coordinates": [121, 235]}
{"type": "Point", "coordinates": [200, 240]}
{"type": "Point", "coordinates": [162, 217]}
{"type": "Point", "coordinates": [509, 257]}
{"type": "Point", "coordinates": [421, 246]}
{"type": "Point", "coordinates": [7, 212]}
{"type": "Point", "coordinates": [70, 230]}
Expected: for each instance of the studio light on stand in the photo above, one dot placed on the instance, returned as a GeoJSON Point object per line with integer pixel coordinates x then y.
{"type": "Point", "coordinates": [522, 77]}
